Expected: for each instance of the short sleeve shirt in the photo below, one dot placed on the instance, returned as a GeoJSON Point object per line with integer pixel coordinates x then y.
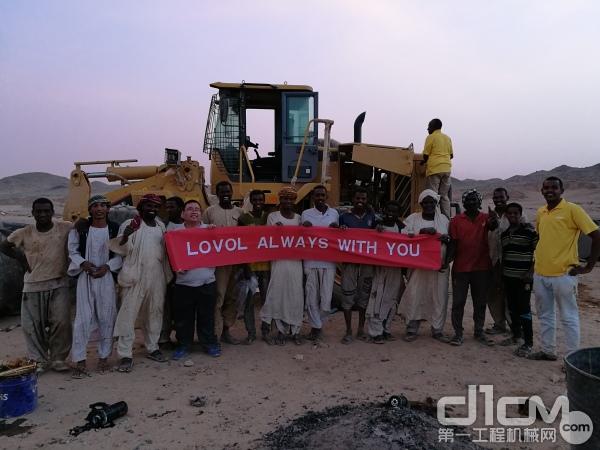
{"type": "Point", "coordinates": [559, 230]}
{"type": "Point", "coordinates": [471, 241]}
{"type": "Point", "coordinates": [438, 148]}
{"type": "Point", "coordinates": [215, 215]}
{"type": "Point", "coordinates": [46, 253]}
{"type": "Point", "coordinates": [319, 219]}
{"type": "Point", "coordinates": [351, 220]}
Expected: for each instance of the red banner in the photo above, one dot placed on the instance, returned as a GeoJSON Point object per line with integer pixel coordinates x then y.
{"type": "Point", "coordinates": [201, 247]}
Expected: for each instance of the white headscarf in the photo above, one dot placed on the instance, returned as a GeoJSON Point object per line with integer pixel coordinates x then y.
{"type": "Point", "coordinates": [440, 221]}
{"type": "Point", "coordinates": [429, 193]}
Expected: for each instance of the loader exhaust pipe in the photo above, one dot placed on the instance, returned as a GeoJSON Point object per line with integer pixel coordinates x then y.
{"type": "Point", "coordinates": [358, 127]}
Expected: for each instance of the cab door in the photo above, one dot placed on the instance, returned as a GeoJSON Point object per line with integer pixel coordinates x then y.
{"type": "Point", "coordinates": [298, 109]}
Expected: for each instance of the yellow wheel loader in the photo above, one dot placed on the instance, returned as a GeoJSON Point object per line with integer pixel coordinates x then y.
{"type": "Point", "coordinates": [298, 157]}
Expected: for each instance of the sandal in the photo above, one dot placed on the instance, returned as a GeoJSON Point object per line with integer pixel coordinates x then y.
{"type": "Point", "coordinates": [103, 366]}
{"type": "Point", "coordinates": [410, 337]}
{"type": "Point", "coordinates": [298, 339]}
{"type": "Point", "coordinates": [157, 356]}
{"type": "Point", "coordinates": [249, 340]}
{"type": "Point", "coordinates": [456, 341]}
{"type": "Point", "coordinates": [125, 365]}
{"type": "Point", "coordinates": [377, 340]}
{"type": "Point", "coordinates": [388, 336]}
{"type": "Point", "coordinates": [280, 339]}
{"type": "Point", "coordinates": [362, 336]}
{"type": "Point", "coordinates": [80, 371]}
{"type": "Point", "coordinates": [523, 351]}
{"type": "Point", "coordinates": [347, 339]}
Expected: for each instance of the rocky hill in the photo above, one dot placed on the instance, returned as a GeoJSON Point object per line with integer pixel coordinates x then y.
{"type": "Point", "coordinates": [22, 189]}
{"type": "Point", "coordinates": [521, 186]}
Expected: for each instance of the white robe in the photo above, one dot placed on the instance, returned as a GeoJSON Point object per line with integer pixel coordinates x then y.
{"type": "Point", "coordinates": [426, 295]}
{"type": "Point", "coordinates": [285, 295]}
{"type": "Point", "coordinates": [96, 297]}
{"type": "Point", "coordinates": [143, 280]}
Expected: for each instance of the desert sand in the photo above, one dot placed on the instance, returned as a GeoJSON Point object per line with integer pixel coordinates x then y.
{"type": "Point", "coordinates": [250, 390]}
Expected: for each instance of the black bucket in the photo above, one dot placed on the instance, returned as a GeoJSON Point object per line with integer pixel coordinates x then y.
{"type": "Point", "coordinates": [583, 389]}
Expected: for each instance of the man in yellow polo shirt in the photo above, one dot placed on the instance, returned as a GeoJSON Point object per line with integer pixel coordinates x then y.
{"type": "Point", "coordinates": [437, 155]}
{"type": "Point", "coordinates": [559, 224]}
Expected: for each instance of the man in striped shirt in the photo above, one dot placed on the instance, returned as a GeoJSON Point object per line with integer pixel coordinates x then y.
{"type": "Point", "coordinates": [518, 245]}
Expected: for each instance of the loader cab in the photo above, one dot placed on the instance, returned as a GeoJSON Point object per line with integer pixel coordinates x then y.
{"type": "Point", "coordinates": [229, 143]}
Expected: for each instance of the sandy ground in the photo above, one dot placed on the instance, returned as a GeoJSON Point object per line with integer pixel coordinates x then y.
{"type": "Point", "coordinates": [252, 390]}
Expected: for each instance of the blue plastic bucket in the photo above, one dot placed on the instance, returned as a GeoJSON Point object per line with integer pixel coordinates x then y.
{"type": "Point", "coordinates": [18, 395]}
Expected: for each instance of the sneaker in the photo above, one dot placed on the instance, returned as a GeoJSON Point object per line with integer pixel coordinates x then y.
{"type": "Point", "coordinates": [542, 356]}
{"type": "Point", "coordinates": [456, 340]}
{"type": "Point", "coordinates": [213, 351]}
{"type": "Point", "coordinates": [157, 356]}
{"type": "Point", "coordinates": [180, 353]}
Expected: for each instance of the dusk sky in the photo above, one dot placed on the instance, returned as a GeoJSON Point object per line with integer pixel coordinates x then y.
{"type": "Point", "coordinates": [516, 83]}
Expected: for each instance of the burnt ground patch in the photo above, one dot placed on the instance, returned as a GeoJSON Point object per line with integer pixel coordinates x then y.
{"type": "Point", "coordinates": [365, 426]}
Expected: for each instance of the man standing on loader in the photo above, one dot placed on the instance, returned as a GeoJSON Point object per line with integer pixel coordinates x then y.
{"type": "Point", "coordinates": [437, 156]}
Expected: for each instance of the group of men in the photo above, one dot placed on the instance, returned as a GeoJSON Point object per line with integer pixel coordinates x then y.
{"type": "Point", "coordinates": [497, 255]}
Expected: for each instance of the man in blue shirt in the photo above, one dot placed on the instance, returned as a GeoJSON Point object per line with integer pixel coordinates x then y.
{"type": "Point", "coordinates": [356, 278]}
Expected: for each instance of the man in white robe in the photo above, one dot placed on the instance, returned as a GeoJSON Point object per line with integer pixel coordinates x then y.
{"type": "Point", "coordinates": [93, 264]}
{"type": "Point", "coordinates": [143, 280]}
{"type": "Point", "coordinates": [426, 295]}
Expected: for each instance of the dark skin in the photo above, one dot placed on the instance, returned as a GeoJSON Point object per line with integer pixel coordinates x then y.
{"type": "Point", "coordinates": [99, 215]}
{"type": "Point", "coordinates": [552, 192]}
{"type": "Point", "coordinates": [391, 217]}
{"type": "Point", "coordinates": [472, 205]}
{"type": "Point", "coordinates": [319, 198]}
{"type": "Point", "coordinates": [224, 192]}
{"type": "Point", "coordinates": [148, 212]}
{"type": "Point", "coordinates": [286, 208]}
{"type": "Point", "coordinates": [359, 209]}
{"type": "Point", "coordinates": [42, 214]}
{"type": "Point", "coordinates": [359, 206]}
{"type": "Point", "coordinates": [258, 205]}
{"type": "Point", "coordinates": [500, 200]}
{"type": "Point", "coordinates": [173, 211]}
